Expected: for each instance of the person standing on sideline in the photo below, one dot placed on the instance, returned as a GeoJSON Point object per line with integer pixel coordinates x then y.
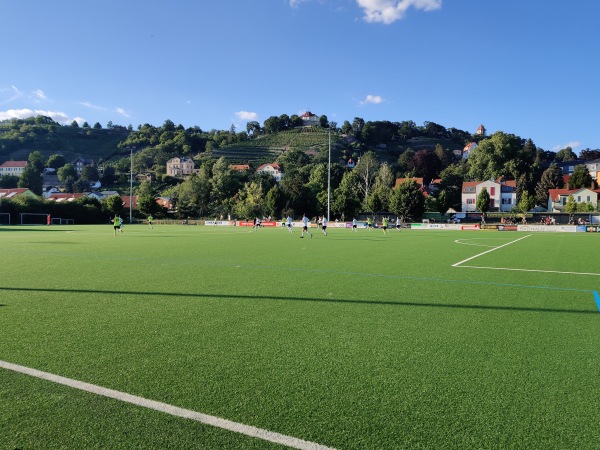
{"type": "Point", "coordinates": [354, 225]}
{"type": "Point", "coordinates": [150, 219]}
{"type": "Point", "coordinates": [398, 223]}
{"type": "Point", "coordinates": [369, 223]}
{"type": "Point", "coordinates": [288, 222]}
{"type": "Point", "coordinates": [116, 223]}
{"type": "Point", "coordinates": [48, 219]}
{"type": "Point", "coordinates": [305, 226]}
{"type": "Point", "coordinates": [384, 225]}
{"type": "Point", "coordinates": [324, 223]}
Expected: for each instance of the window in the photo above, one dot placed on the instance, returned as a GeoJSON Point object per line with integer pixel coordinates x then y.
{"type": "Point", "coordinates": [492, 191]}
{"type": "Point", "coordinates": [579, 199]}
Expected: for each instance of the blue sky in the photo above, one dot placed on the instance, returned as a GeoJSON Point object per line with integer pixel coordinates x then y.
{"type": "Point", "coordinates": [527, 67]}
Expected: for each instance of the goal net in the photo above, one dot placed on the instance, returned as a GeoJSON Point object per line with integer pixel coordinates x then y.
{"type": "Point", "coordinates": [33, 219]}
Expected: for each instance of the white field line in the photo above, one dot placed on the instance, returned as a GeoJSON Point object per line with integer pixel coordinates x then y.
{"type": "Point", "coordinates": [214, 421]}
{"type": "Point", "coordinates": [487, 251]}
{"type": "Point", "coordinates": [531, 270]}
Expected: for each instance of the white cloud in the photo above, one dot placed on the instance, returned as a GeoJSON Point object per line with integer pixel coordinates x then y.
{"type": "Point", "coordinates": [57, 116]}
{"type": "Point", "coordinates": [12, 94]}
{"type": "Point", "coordinates": [296, 3]}
{"type": "Point", "coordinates": [122, 112]}
{"type": "Point", "coordinates": [389, 11]}
{"type": "Point", "coordinates": [92, 106]}
{"type": "Point", "coordinates": [246, 115]}
{"type": "Point", "coordinates": [39, 94]}
{"type": "Point", "coordinates": [572, 144]}
{"type": "Point", "coordinates": [374, 99]}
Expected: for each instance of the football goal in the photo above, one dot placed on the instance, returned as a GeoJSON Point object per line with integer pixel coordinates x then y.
{"type": "Point", "coordinates": [59, 221]}
{"type": "Point", "coordinates": [33, 219]}
{"type": "Point", "coordinates": [4, 218]}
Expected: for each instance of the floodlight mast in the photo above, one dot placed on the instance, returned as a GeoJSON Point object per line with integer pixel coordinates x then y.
{"type": "Point", "coordinates": [131, 149]}
{"type": "Point", "coordinates": [329, 177]}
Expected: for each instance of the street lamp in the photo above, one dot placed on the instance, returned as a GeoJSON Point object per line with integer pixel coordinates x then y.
{"type": "Point", "coordinates": [131, 149]}
{"type": "Point", "coordinates": [329, 177]}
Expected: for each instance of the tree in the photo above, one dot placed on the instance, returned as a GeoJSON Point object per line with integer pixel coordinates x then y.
{"type": "Point", "coordinates": [36, 160]}
{"type": "Point", "coordinates": [566, 154]}
{"type": "Point", "coordinates": [346, 127]}
{"type": "Point", "coordinates": [250, 201]}
{"type": "Point", "coordinates": [90, 173]}
{"type": "Point", "coordinates": [483, 202]}
{"type": "Point", "coordinates": [345, 197]}
{"type": "Point", "coordinates": [32, 179]}
{"type": "Point", "coordinates": [408, 201]}
{"type": "Point", "coordinates": [97, 126]}
{"type": "Point", "coordinates": [357, 127]}
{"type": "Point", "coordinates": [552, 178]}
{"type": "Point", "coordinates": [366, 169]}
{"type": "Point", "coordinates": [108, 175]}
{"type": "Point", "coordinates": [253, 128]}
{"type": "Point", "coordinates": [66, 171]}
{"type": "Point", "coordinates": [323, 121]}
{"type": "Point", "coordinates": [526, 203]}
{"type": "Point", "coordinates": [499, 155]}
{"type": "Point", "coordinates": [114, 205]}
{"type": "Point", "coordinates": [273, 201]}
{"type": "Point", "coordinates": [74, 124]}
{"type": "Point", "coordinates": [425, 164]}
{"type": "Point", "coordinates": [588, 154]}
{"type": "Point", "coordinates": [9, 181]}
{"type": "Point", "coordinates": [571, 205]}
{"type": "Point", "coordinates": [580, 178]}
{"type": "Point", "coordinates": [56, 161]}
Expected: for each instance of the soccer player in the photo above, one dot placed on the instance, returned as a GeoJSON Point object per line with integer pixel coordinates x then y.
{"type": "Point", "coordinates": [288, 222]}
{"type": "Point", "coordinates": [354, 225]}
{"type": "Point", "coordinates": [120, 224]}
{"type": "Point", "coordinates": [398, 224]}
{"type": "Point", "coordinates": [150, 219]}
{"type": "Point", "coordinates": [384, 225]}
{"type": "Point", "coordinates": [305, 226]}
{"type": "Point", "coordinates": [116, 223]}
{"type": "Point", "coordinates": [369, 223]}
{"type": "Point", "coordinates": [324, 223]}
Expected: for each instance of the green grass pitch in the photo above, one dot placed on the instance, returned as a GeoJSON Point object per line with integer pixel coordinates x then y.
{"type": "Point", "coordinates": [351, 341]}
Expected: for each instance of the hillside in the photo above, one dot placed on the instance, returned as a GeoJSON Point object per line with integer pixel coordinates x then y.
{"type": "Point", "coordinates": [18, 140]}
{"type": "Point", "coordinates": [266, 148]}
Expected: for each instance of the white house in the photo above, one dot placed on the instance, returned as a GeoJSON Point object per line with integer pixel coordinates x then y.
{"type": "Point", "coordinates": [272, 169]}
{"type": "Point", "coordinates": [178, 167]}
{"type": "Point", "coordinates": [557, 198]}
{"type": "Point", "coordinates": [12, 168]}
{"type": "Point", "coordinates": [503, 195]}
{"type": "Point", "coordinates": [468, 149]}
{"type": "Point", "coordinates": [309, 119]}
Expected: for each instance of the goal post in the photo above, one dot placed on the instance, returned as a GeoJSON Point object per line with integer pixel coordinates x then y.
{"type": "Point", "coordinates": [33, 219]}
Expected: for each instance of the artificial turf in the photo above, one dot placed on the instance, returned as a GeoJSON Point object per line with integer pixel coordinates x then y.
{"type": "Point", "coordinates": [354, 340]}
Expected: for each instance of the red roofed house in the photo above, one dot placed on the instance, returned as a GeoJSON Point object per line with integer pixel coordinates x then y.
{"type": "Point", "coordinates": [11, 193]}
{"type": "Point", "coordinates": [12, 168]}
{"type": "Point", "coordinates": [503, 194]}
{"type": "Point", "coordinates": [239, 167]}
{"type": "Point", "coordinates": [127, 201]}
{"type": "Point", "coordinates": [61, 198]}
{"type": "Point", "coordinates": [272, 169]}
{"type": "Point", "coordinates": [468, 149]}
{"type": "Point", "coordinates": [557, 198]}
{"type": "Point", "coordinates": [309, 119]}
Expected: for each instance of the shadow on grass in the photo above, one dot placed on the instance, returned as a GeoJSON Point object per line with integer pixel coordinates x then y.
{"type": "Point", "coordinates": [309, 299]}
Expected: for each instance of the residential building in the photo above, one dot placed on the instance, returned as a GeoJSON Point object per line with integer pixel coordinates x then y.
{"type": "Point", "coordinates": [180, 167]}
{"type": "Point", "coordinates": [12, 193]}
{"type": "Point", "coordinates": [468, 149]}
{"type": "Point", "coordinates": [272, 169]}
{"type": "Point", "coordinates": [240, 167]}
{"type": "Point", "coordinates": [557, 198]}
{"type": "Point", "coordinates": [12, 168]}
{"type": "Point", "coordinates": [309, 119]}
{"type": "Point", "coordinates": [503, 195]}
{"type": "Point", "coordinates": [63, 198]}
{"type": "Point", "coordinates": [80, 163]}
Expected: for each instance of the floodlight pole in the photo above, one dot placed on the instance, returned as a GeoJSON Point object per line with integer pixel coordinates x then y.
{"type": "Point", "coordinates": [131, 186]}
{"type": "Point", "coordinates": [329, 177]}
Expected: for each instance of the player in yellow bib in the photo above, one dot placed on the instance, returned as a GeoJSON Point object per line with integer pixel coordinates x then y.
{"type": "Point", "coordinates": [116, 223]}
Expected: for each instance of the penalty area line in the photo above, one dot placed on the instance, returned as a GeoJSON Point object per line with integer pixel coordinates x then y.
{"type": "Point", "coordinates": [458, 264]}
{"type": "Point", "coordinates": [206, 419]}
